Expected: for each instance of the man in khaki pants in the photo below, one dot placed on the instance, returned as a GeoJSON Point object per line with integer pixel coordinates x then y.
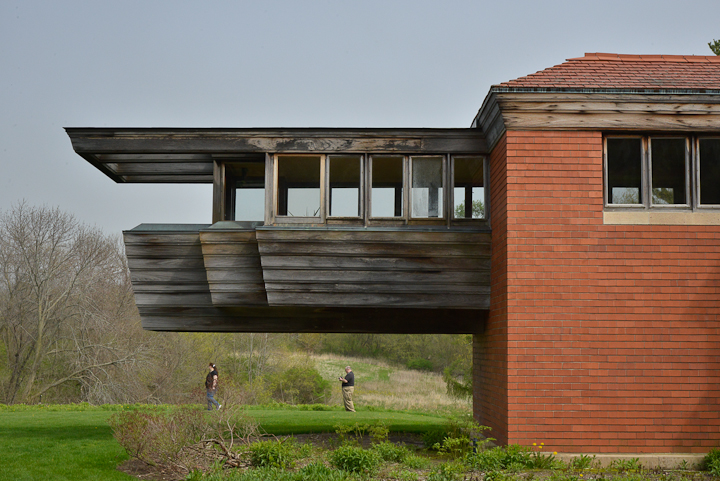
{"type": "Point", "coordinates": [348, 386]}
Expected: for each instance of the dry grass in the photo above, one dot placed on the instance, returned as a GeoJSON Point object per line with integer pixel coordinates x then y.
{"type": "Point", "coordinates": [388, 386]}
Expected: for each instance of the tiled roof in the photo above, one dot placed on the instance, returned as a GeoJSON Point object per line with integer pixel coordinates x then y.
{"type": "Point", "coordinates": [616, 71]}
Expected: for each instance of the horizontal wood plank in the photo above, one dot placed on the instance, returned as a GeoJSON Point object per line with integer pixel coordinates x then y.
{"type": "Point", "coordinates": [304, 319]}
{"type": "Point", "coordinates": [376, 263]}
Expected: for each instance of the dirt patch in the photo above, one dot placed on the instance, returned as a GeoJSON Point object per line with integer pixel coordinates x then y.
{"type": "Point", "coordinates": [140, 470]}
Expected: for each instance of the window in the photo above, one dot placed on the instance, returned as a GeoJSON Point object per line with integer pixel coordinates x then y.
{"type": "Point", "coordinates": [427, 187]}
{"type": "Point", "coordinates": [245, 198]}
{"type": "Point", "coordinates": [386, 194]}
{"type": "Point", "coordinates": [669, 167]}
{"type": "Point", "coordinates": [345, 187]}
{"type": "Point", "coordinates": [468, 188]}
{"type": "Point", "coordinates": [298, 185]}
{"type": "Point", "coordinates": [709, 171]}
{"type": "Point", "coordinates": [653, 171]}
{"type": "Point", "coordinates": [624, 171]}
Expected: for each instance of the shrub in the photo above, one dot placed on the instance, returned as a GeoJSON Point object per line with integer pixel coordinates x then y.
{"type": "Point", "coordinates": [420, 364]}
{"type": "Point", "coordinates": [172, 439]}
{"type": "Point", "coordinates": [454, 447]}
{"type": "Point", "coordinates": [712, 462]}
{"type": "Point", "coordinates": [355, 459]}
{"type": "Point", "coordinates": [160, 439]}
{"type": "Point", "coordinates": [354, 433]}
{"type": "Point", "coordinates": [487, 460]}
{"type": "Point", "coordinates": [299, 385]}
{"type": "Point", "coordinates": [276, 454]}
{"type": "Point", "coordinates": [391, 452]}
{"type": "Point", "coordinates": [457, 438]}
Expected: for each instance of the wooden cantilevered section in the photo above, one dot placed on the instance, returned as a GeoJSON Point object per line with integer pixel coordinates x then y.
{"type": "Point", "coordinates": [424, 267]}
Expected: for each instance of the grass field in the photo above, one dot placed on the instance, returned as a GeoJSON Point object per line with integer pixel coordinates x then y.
{"type": "Point", "coordinates": [58, 445]}
{"type": "Point", "coordinates": [382, 385]}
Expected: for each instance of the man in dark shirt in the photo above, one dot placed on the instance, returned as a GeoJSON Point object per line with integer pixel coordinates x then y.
{"type": "Point", "coordinates": [348, 386]}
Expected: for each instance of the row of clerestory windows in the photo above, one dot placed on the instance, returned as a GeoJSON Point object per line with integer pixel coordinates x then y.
{"type": "Point", "coordinates": [360, 189]}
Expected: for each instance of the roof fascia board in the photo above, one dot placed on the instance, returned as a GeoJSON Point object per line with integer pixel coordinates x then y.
{"type": "Point", "coordinates": [220, 141]}
{"type": "Point", "coordinates": [606, 110]}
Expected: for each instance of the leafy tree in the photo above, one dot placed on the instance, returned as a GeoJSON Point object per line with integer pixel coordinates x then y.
{"type": "Point", "coordinates": [478, 210]}
{"type": "Point", "coordinates": [715, 46]}
{"type": "Point", "coordinates": [60, 282]}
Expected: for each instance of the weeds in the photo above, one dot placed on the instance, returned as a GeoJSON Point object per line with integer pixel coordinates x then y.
{"type": "Point", "coordinates": [631, 465]}
{"type": "Point", "coordinates": [582, 462]}
{"type": "Point", "coordinates": [276, 453]}
{"type": "Point", "coordinates": [355, 459]}
{"type": "Point", "coordinates": [712, 462]}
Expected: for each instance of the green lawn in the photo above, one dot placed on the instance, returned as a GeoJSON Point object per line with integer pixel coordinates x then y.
{"type": "Point", "coordinates": [59, 445]}
{"type": "Point", "coordinates": [297, 421]}
{"type": "Point", "coordinates": [76, 443]}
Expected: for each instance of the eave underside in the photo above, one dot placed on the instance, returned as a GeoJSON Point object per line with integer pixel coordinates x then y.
{"type": "Point", "coordinates": [158, 155]}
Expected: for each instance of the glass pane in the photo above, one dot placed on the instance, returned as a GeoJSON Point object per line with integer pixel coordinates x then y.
{"type": "Point", "coordinates": [387, 186]}
{"type": "Point", "coordinates": [469, 188]}
{"type": "Point", "coordinates": [427, 187]}
{"type": "Point", "coordinates": [668, 171]}
{"type": "Point", "coordinates": [248, 179]}
{"type": "Point", "coordinates": [250, 204]}
{"type": "Point", "coordinates": [624, 171]}
{"type": "Point", "coordinates": [710, 171]}
{"type": "Point", "coordinates": [298, 186]}
{"type": "Point", "coordinates": [344, 185]}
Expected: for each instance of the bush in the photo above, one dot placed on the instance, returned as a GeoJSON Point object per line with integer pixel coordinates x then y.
{"type": "Point", "coordinates": [487, 460]}
{"type": "Point", "coordinates": [391, 452]}
{"type": "Point", "coordinates": [355, 459]}
{"type": "Point", "coordinates": [160, 439]}
{"type": "Point", "coordinates": [454, 447]}
{"type": "Point", "coordinates": [420, 364]}
{"type": "Point", "coordinates": [275, 454]}
{"type": "Point", "coordinates": [299, 385]}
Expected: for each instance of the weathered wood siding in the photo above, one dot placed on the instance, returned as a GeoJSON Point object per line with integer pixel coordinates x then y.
{"type": "Point", "coordinates": [376, 268]}
{"type": "Point", "coordinates": [166, 267]}
{"type": "Point", "coordinates": [313, 319]}
{"type": "Point", "coordinates": [233, 267]}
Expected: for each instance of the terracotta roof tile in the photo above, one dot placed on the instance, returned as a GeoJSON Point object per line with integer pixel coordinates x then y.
{"type": "Point", "coordinates": [618, 71]}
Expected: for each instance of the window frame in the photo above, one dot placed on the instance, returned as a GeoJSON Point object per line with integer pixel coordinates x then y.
{"type": "Point", "coordinates": [644, 199]}
{"type": "Point", "coordinates": [286, 219]}
{"type": "Point", "coordinates": [363, 159]}
{"type": "Point", "coordinates": [696, 166]}
{"type": "Point", "coordinates": [443, 214]}
{"type": "Point", "coordinates": [451, 190]}
{"type": "Point", "coordinates": [405, 194]}
{"type": "Point", "coordinates": [688, 174]}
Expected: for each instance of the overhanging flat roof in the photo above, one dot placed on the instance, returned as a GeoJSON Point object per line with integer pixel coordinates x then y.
{"type": "Point", "coordinates": [186, 155]}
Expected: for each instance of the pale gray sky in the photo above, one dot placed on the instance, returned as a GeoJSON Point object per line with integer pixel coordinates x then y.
{"type": "Point", "coordinates": [338, 63]}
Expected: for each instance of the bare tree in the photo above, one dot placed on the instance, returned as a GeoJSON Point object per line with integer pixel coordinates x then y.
{"type": "Point", "coordinates": [54, 275]}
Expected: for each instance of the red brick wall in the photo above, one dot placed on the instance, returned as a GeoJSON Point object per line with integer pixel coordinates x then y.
{"type": "Point", "coordinates": [490, 375]}
{"type": "Point", "coordinates": [613, 331]}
